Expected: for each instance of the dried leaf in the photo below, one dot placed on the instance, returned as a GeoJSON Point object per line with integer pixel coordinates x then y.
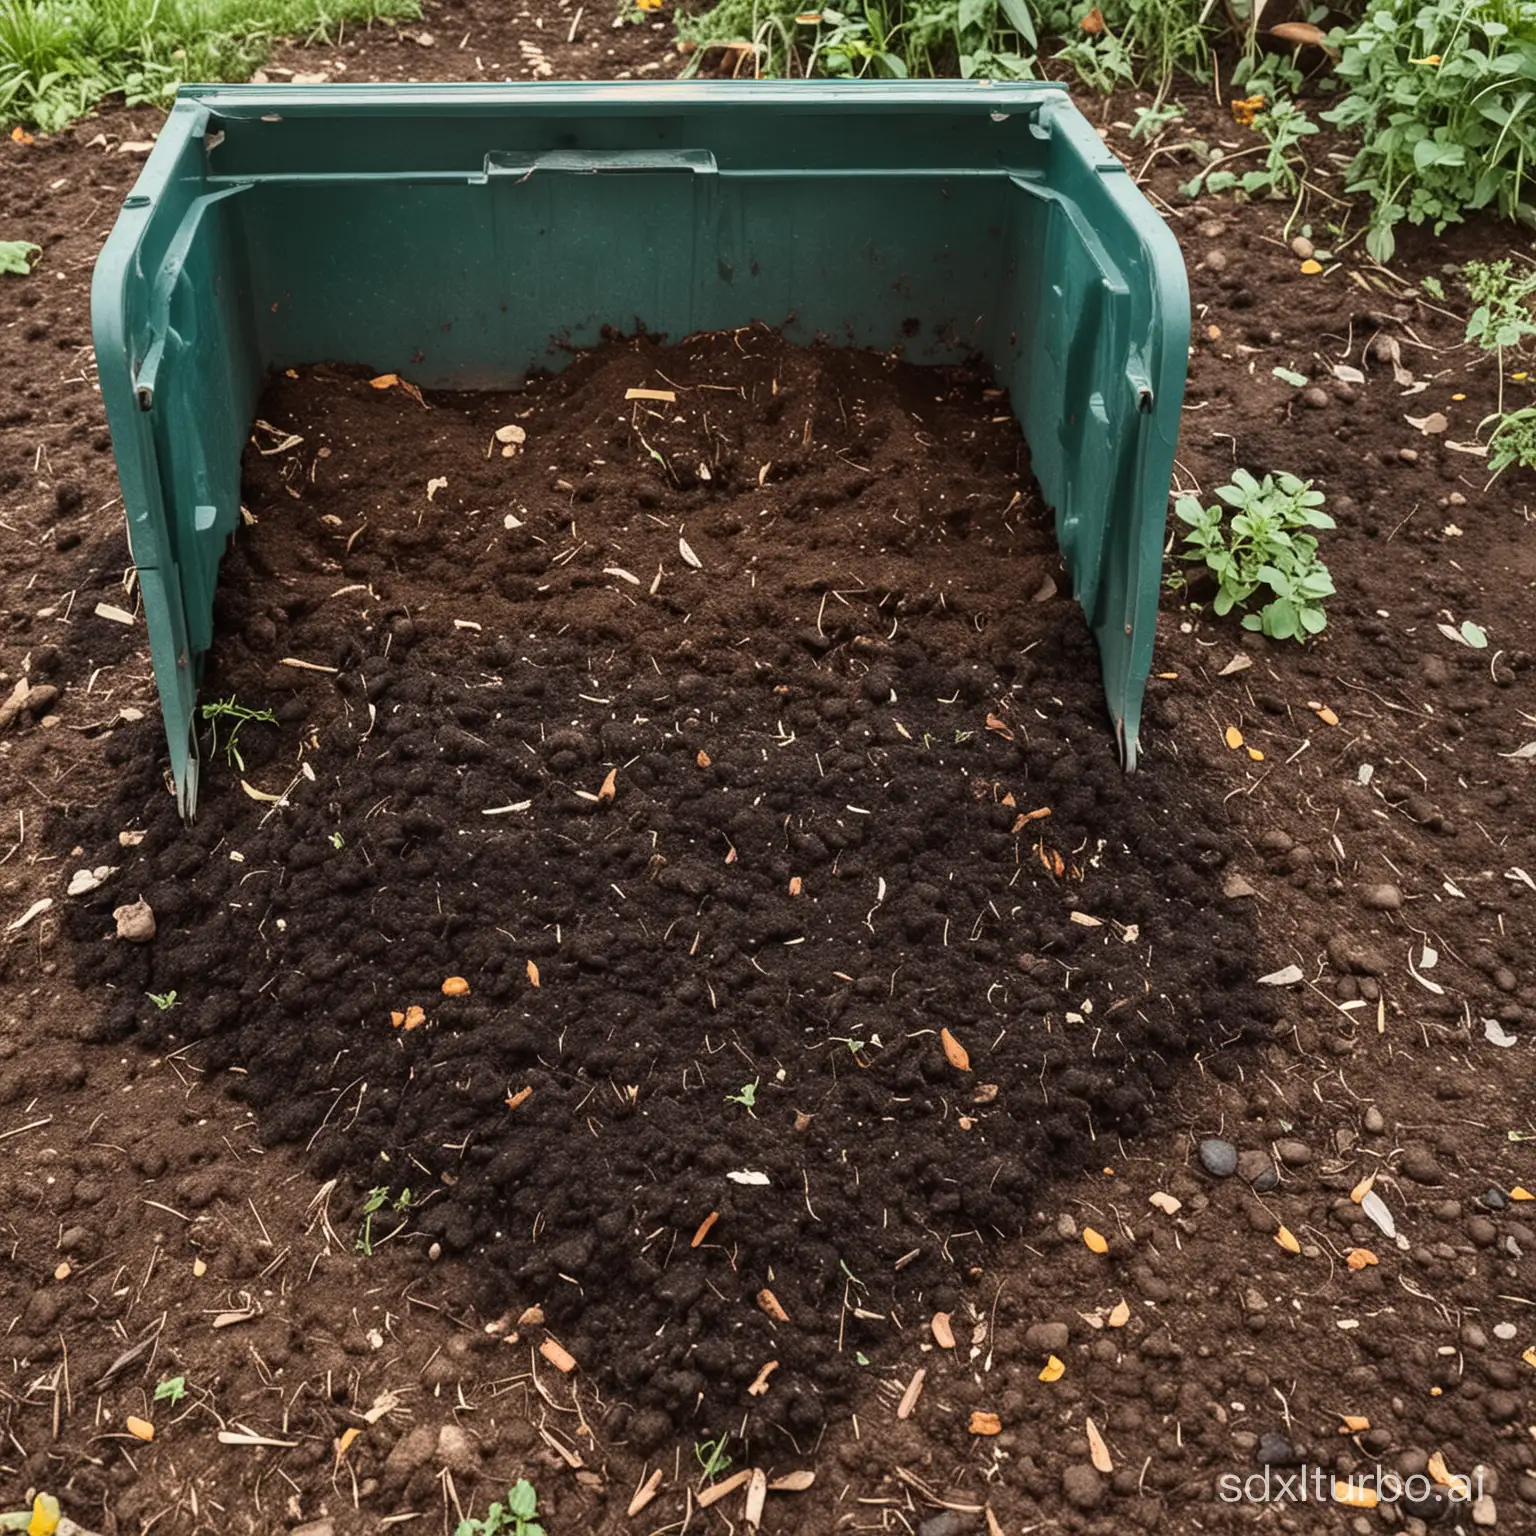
{"type": "Point", "coordinates": [943, 1333]}
{"type": "Point", "coordinates": [1096, 1241]}
{"type": "Point", "coordinates": [345, 1443]}
{"type": "Point", "coordinates": [1495, 1034]}
{"type": "Point", "coordinates": [1085, 920]}
{"type": "Point", "coordinates": [1354, 1424]}
{"type": "Point", "coordinates": [644, 1494]}
{"type": "Point", "coordinates": [610, 786]}
{"type": "Point", "coordinates": [665, 396]}
{"type": "Point", "coordinates": [1520, 1192]}
{"type": "Point", "coordinates": [455, 986]}
{"type": "Point", "coordinates": [385, 381]}
{"type": "Point", "coordinates": [1239, 663]}
{"type": "Point", "coordinates": [748, 1176]}
{"type": "Point", "coordinates": [685, 549]}
{"type": "Point", "coordinates": [558, 1356]}
{"type": "Point", "coordinates": [1287, 1240]}
{"type": "Point", "coordinates": [1529, 1356]}
{"type": "Point", "coordinates": [796, 885]}
{"type": "Point", "coordinates": [1326, 715]}
{"type": "Point", "coordinates": [1093, 22]}
{"type": "Point", "coordinates": [1298, 32]}
{"type": "Point", "coordinates": [1000, 727]}
{"type": "Point", "coordinates": [262, 795]}
{"type": "Point", "coordinates": [704, 1228]}
{"type": "Point", "coordinates": [1438, 1470]}
{"type": "Point", "coordinates": [770, 1304]}
{"type": "Point", "coordinates": [793, 1482]}
{"type": "Point", "coordinates": [1098, 1452]}
{"type": "Point", "coordinates": [521, 1097]}
{"type": "Point", "coordinates": [1431, 425]}
{"type": "Point", "coordinates": [1052, 1370]}
{"type": "Point", "coordinates": [954, 1053]}
{"type": "Point", "coordinates": [1286, 978]}
{"type": "Point", "coordinates": [910, 1396]}
{"type": "Point", "coordinates": [757, 1496]}
{"type": "Point", "coordinates": [985, 1424]}
{"type": "Point", "coordinates": [1363, 1188]}
{"type": "Point", "coordinates": [1120, 1314]}
{"type": "Point", "coordinates": [1360, 1258]}
{"type": "Point", "coordinates": [1376, 1208]}
{"type": "Point", "coordinates": [1355, 1495]}
{"type": "Point", "coordinates": [533, 974]}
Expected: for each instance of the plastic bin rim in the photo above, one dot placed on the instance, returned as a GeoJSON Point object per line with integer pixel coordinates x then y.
{"type": "Point", "coordinates": [621, 95]}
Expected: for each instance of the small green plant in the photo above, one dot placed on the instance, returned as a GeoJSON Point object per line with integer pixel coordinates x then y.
{"type": "Point", "coordinates": [171, 1390]}
{"type": "Point", "coordinates": [1503, 316]}
{"type": "Point", "coordinates": [1440, 92]}
{"type": "Point", "coordinates": [233, 715]}
{"type": "Point", "coordinates": [1513, 441]}
{"type": "Point", "coordinates": [517, 1517]}
{"type": "Point", "coordinates": [164, 1001]}
{"type": "Point", "coordinates": [747, 1097]}
{"type": "Point", "coordinates": [377, 1201]}
{"type": "Point", "coordinates": [337, 841]}
{"type": "Point", "coordinates": [1150, 121]}
{"type": "Point", "coordinates": [713, 1455]}
{"type": "Point", "coordinates": [1267, 547]}
{"type": "Point", "coordinates": [18, 255]}
{"type": "Point", "coordinates": [1283, 126]}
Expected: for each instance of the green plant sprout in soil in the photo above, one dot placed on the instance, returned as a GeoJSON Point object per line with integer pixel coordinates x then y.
{"type": "Point", "coordinates": [377, 1201]}
{"type": "Point", "coordinates": [518, 1516]}
{"type": "Point", "coordinates": [1263, 548]}
{"type": "Point", "coordinates": [225, 711]}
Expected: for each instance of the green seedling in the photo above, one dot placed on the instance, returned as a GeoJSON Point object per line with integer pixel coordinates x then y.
{"type": "Point", "coordinates": [171, 1390]}
{"type": "Point", "coordinates": [1150, 121]}
{"type": "Point", "coordinates": [1266, 548]}
{"type": "Point", "coordinates": [1513, 441]}
{"type": "Point", "coordinates": [518, 1516]}
{"type": "Point", "coordinates": [233, 716]}
{"type": "Point", "coordinates": [713, 1456]}
{"type": "Point", "coordinates": [164, 1001]}
{"type": "Point", "coordinates": [747, 1097]}
{"type": "Point", "coordinates": [337, 841]}
{"type": "Point", "coordinates": [1503, 316]}
{"type": "Point", "coordinates": [377, 1201]}
{"type": "Point", "coordinates": [17, 256]}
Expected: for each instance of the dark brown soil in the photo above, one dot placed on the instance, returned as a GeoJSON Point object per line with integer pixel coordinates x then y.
{"type": "Point", "coordinates": [1229, 1337]}
{"type": "Point", "coordinates": [786, 620]}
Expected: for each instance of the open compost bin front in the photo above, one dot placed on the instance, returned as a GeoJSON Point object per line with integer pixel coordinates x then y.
{"type": "Point", "coordinates": [465, 236]}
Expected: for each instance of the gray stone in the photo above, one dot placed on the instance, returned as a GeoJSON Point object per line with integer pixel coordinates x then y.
{"type": "Point", "coordinates": [1374, 1122]}
{"type": "Point", "coordinates": [1473, 1337]}
{"type": "Point", "coordinates": [456, 1451]}
{"type": "Point", "coordinates": [1482, 1232]}
{"type": "Point", "coordinates": [1254, 1165]}
{"type": "Point", "coordinates": [135, 922]}
{"type": "Point", "coordinates": [1046, 1338]}
{"type": "Point", "coordinates": [315, 1528]}
{"type": "Point", "coordinates": [1218, 1157]}
{"type": "Point", "coordinates": [1082, 1486]}
{"type": "Point", "coordinates": [1294, 1154]}
{"type": "Point", "coordinates": [1216, 261]}
{"type": "Point", "coordinates": [1381, 898]}
{"type": "Point", "coordinates": [1314, 398]}
{"type": "Point", "coordinates": [1275, 1451]}
{"type": "Point", "coordinates": [1420, 1165]}
{"type": "Point", "coordinates": [947, 1522]}
{"type": "Point", "coordinates": [1485, 1512]}
{"type": "Point", "coordinates": [412, 1450]}
{"type": "Point", "coordinates": [1302, 248]}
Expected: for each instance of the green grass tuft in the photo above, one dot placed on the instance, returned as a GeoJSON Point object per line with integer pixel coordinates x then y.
{"type": "Point", "coordinates": [59, 58]}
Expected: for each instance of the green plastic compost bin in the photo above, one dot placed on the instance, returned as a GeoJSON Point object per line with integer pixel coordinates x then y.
{"type": "Point", "coordinates": [465, 235]}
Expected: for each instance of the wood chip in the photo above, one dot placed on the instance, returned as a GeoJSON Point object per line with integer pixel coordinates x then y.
{"type": "Point", "coordinates": [943, 1333]}
{"type": "Point", "coordinates": [1098, 1452]}
{"type": "Point", "coordinates": [521, 1097]}
{"type": "Point", "coordinates": [717, 1491]}
{"type": "Point", "coordinates": [1438, 1470]}
{"type": "Point", "coordinates": [1355, 1495]}
{"type": "Point", "coordinates": [1096, 1241]}
{"type": "Point", "coordinates": [770, 1304]}
{"type": "Point", "coordinates": [140, 1429]}
{"type": "Point", "coordinates": [533, 974]}
{"type": "Point", "coordinates": [665, 396]}
{"type": "Point", "coordinates": [1084, 920]}
{"type": "Point", "coordinates": [307, 666]}
{"type": "Point", "coordinates": [116, 614]}
{"type": "Point", "coordinates": [793, 1482]}
{"type": "Point", "coordinates": [910, 1396]}
{"type": "Point", "coordinates": [1169, 1204]}
{"type": "Point", "coordinates": [796, 885]}
{"type": "Point", "coordinates": [984, 1424]}
{"type": "Point", "coordinates": [35, 910]}
{"type": "Point", "coordinates": [757, 1496]}
{"type": "Point", "coordinates": [759, 1385]}
{"type": "Point", "coordinates": [704, 1228]}
{"type": "Point", "coordinates": [1120, 1314]}
{"type": "Point", "coordinates": [1354, 1424]}
{"type": "Point", "coordinates": [703, 759]}
{"type": "Point", "coordinates": [644, 1494]}
{"type": "Point", "coordinates": [610, 786]}
{"type": "Point", "coordinates": [954, 1053]}
{"type": "Point", "coordinates": [531, 1317]}
{"type": "Point", "coordinates": [345, 1443]}
{"type": "Point", "coordinates": [245, 1437]}
{"type": "Point", "coordinates": [455, 986]}
{"type": "Point", "coordinates": [685, 549]}
{"type": "Point", "coordinates": [558, 1356]}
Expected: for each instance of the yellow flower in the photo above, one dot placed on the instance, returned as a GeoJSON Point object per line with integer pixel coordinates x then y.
{"type": "Point", "coordinates": [1431, 59]}
{"type": "Point", "coordinates": [45, 1516]}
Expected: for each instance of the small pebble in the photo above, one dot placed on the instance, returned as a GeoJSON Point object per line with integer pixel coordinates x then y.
{"type": "Point", "coordinates": [1275, 1451]}
{"type": "Point", "coordinates": [1482, 1232]}
{"type": "Point", "coordinates": [1216, 261]}
{"type": "Point", "coordinates": [1047, 1338]}
{"type": "Point", "coordinates": [1381, 898]}
{"type": "Point", "coordinates": [1456, 499]}
{"type": "Point", "coordinates": [1485, 1512]}
{"type": "Point", "coordinates": [1294, 1154]}
{"type": "Point", "coordinates": [1303, 248]}
{"type": "Point", "coordinates": [1505, 1331]}
{"type": "Point", "coordinates": [1420, 1165]}
{"type": "Point", "coordinates": [1218, 1157]}
{"type": "Point", "coordinates": [1473, 1337]}
{"type": "Point", "coordinates": [135, 922]}
{"type": "Point", "coordinates": [1408, 455]}
{"type": "Point", "coordinates": [1083, 1487]}
{"type": "Point", "coordinates": [1374, 1122]}
{"type": "Point", "coordinates": [1495, 1198]}
{"type": "Point", "coordinates": [1314, 398]}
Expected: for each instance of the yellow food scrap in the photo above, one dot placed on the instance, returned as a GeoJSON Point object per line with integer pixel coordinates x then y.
{"type": "Point", "coordinates": [1360, 1258]}
{"type": "Point", "coordinates": [954, 1053]}
{"type": "Point", "coordinates": [1053, 1370]}
{"type": "Point", "coordinates": [1096, 1241]}
{"type": "Point", "coordinates": [985, 1424]}
{"type": "Point", "coordinates": [1287, 1240]}
{"type": "Point", "coordinates": [1234, 737]}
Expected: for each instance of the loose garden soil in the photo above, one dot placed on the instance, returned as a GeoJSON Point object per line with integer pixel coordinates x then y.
{"type": "Point", "coordinates": [144, 1203]}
